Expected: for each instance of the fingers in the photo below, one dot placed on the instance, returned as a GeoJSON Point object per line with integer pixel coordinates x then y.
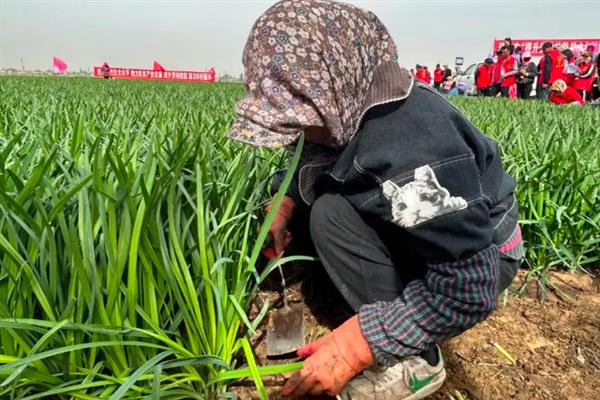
{"type": "Point", "coordinates": [303, 382]}
{"type": "Point", "coordinates": [306, 385]}
{"type": "Point", "coordinates": [293, 382]}
{"type": "Point", "coordinates": [317, 390]}
{"type": "Point", "coordinates": [278, 241]}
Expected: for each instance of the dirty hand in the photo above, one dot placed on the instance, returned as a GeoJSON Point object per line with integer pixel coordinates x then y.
{"type": "Point", "coordinates": [280, 237]}
{"type": "Point", "coordinates": [332, 361]}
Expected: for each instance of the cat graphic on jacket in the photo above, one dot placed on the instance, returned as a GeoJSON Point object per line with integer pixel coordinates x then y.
{"type": "Point", "coordinates": [420, 200]}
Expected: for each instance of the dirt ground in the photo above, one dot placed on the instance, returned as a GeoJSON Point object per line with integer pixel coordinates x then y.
{"type": "Point", "coordinates": [555, 344]}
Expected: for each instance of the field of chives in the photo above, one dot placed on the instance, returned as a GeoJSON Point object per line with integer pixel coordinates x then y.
{"type": "Point", "coordinates": [130, 230]}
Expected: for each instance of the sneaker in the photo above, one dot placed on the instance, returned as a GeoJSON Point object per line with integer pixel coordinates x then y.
{"type": "Point", "coordinates": [411, 379]}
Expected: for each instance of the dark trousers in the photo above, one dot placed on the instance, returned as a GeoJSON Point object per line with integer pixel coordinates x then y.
{"type": "Point", "coordinates": [542, 93]}
{"type": "Point", "coordinates": [436, 85]}
{"type": "Point", "coordinates": [367, 258]}
{"type": "Point", "coordinates": [487, 92]}
{"type": "Point", "coordinates": [524, 90]}
{"type": "Point", "coordinates": [496, 89]}
{"type": "Point", "coordinates": [504, 91]}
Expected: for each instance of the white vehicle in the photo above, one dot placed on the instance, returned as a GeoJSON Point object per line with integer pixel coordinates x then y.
{"type": "Point", "coordinates": [468, 77]}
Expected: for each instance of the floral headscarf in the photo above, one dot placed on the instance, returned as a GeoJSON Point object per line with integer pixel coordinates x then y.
{"type": "Point", "coordinates": [315, 63]}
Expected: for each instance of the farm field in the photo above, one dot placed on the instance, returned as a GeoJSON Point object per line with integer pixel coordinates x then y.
{"type": "Point", "coordinates": [130, 236]}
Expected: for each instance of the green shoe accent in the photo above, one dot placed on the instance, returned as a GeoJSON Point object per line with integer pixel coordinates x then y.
{"type": "Point", "coordinates": [415, 384]}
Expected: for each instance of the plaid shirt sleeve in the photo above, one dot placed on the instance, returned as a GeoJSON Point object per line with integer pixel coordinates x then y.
{"type": "Point", "coordinates": [452, 298]}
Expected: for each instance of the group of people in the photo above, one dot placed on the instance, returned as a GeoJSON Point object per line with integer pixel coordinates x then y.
{"type": "Point", "coordinates": [442, 79]}
{"type": "Point", "coordinates": [562, 75]}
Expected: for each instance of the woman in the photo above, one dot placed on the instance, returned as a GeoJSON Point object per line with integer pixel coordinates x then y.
{"type": "Point", "coordinates": [410, 211]}
{"type": "Point", "coordinates": [584, 80]}
{"type": "Point", "coordinates": [508, 70]}
{"type": "Point", "coordinates": [527, 75]}
{"type": "Point", "coordinates": [458, 90]}
{"type": "Point", "coordinates": [438, 77]}
{"type": "Point", "coordinates": [484, 76]}
{"type": "Point", "coordinates": [561, 93]}
{"type": "Point", "coordinates": [105, 70]}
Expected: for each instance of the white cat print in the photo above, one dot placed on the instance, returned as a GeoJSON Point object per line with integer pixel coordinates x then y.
{"type": "Point", "coordinates": [420, 200]}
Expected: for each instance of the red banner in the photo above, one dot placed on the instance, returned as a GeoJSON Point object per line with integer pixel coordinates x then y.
{"type": "Point", "coordinates": [534, 46]}
{"type": "Point", "coordinates": [149, 74]}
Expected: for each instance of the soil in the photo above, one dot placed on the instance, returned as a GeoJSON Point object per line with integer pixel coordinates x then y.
{"type": "Point", "coordinates": [552, 332]}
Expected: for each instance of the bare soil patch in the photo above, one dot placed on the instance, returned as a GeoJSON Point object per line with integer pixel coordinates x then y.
{"type": "Point", "coordinates": [556, 344]}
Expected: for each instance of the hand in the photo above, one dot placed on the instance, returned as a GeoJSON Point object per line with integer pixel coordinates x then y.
{"type": "Point", "coordinates": [332, 361]}
{"type": "Point", "coordinates": [280, 237]}
{"type": "Point", "coordinates": [545, 86]}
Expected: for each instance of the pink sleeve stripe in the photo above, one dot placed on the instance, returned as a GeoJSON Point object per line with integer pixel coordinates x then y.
{"type": "Point", "coordinates": [513, 242]}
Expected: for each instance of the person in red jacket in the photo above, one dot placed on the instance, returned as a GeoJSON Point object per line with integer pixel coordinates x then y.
{"type": "Point", "coordinates": [560, 93]}
{"type": "Point", "coordinates": [509, 69]}
{"type": "Point", "coordinates": [438, 77]}
{"type": "Point", "coordinates": [106, 70]}
{"type": "Point", "coordinates": [551, 68]}
{"type": "Point", "coordinates": [584, 80]}
{"type": "Point", "coordinates": [483, 78]}
{"type": "Point", "coordinates": [427, 75]}
{"type": "Point", "coordinates": [569, 67]}
{"type": "Point", "coordinates": [496, 76]}
{"type": "Point", "coordinates": [420, 73]}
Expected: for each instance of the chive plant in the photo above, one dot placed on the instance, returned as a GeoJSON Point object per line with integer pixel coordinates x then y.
{"type": "Point", "coordinates": [554, 154]}
{"type": "Point", "coordinates": [128, 241]}
{"type": "Point", "coordinates": [130, 230]}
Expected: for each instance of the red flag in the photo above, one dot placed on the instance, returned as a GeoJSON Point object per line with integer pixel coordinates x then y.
{"type": "Point", "coordinates": [59, 64]}
{"type": "Point", "coordinates": [158, 67]}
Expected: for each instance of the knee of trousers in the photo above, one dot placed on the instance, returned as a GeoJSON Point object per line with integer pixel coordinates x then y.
{"type": "Point", "coordinates": [324, 210]}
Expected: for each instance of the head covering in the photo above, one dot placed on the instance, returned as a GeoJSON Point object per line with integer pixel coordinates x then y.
{"type": "Point", "coordinates": [558, 86]}
{"type": "Point", "coordinates": [578, 50]}
{"type": "Point", "coordinates": [315, 63]}
{"type": "Point", "coordinates": [562, 47]}
{"type": "Point", "coordinates": [526, 54]}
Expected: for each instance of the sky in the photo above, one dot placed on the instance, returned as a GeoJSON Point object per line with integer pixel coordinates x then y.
{"type": "Point", "coordinates": [199, 34]}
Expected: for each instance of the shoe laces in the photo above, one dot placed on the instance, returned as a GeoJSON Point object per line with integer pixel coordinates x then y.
{"type": "Point", "coordinates": [384, 377]}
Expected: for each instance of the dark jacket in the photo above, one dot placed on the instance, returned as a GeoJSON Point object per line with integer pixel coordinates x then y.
{"type": "Point", "coordinates": [544, 70]}
{"type": "Point", "coordinates": [447, 74]}
{"type": "Point", "coordinates": [394, 140]}
{"type": "Point", "coordinates": [531, 72]}
{"type": "Point", "coordinates": [423, 167]}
